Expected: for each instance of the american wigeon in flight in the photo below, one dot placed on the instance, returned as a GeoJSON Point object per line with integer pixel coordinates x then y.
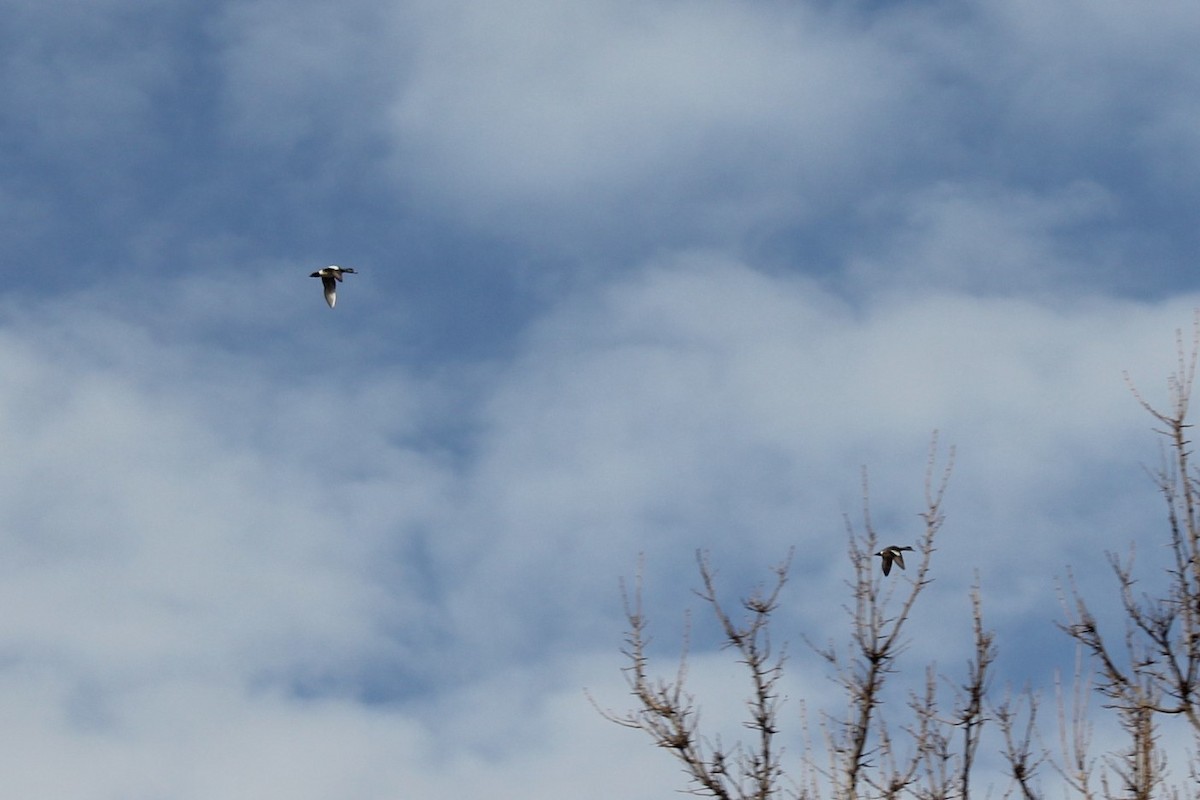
{"type": "Point", "coordinates": [890, 554]}
{"type": "Point", "coordinates": [329, 279]}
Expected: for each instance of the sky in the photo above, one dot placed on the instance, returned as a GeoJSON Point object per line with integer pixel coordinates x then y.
{"type": "Point", "coordinates": [634, 279]}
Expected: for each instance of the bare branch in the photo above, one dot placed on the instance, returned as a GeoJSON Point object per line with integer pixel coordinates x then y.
{"type": "Point", "coordinates": [1018, 751]}
{"type": "Point", "coordinates": [876, 642]}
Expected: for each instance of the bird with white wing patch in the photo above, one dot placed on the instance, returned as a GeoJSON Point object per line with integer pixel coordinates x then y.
{"type": "Point", "coordinates": [330, 277]}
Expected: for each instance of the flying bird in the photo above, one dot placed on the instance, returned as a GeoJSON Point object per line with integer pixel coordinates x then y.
{"type": "Point", "coordinates": [329, 279]}
{"type": "Point", "coordinates": [890, 554]}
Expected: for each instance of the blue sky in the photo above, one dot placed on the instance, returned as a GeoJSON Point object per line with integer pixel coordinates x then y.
{"type": "Point", "coordinates": [634, 277]}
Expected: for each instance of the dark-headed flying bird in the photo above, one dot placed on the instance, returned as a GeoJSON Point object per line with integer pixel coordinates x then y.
{"type": "Point", "coordinates": [890, 554]}
{"type": "Point", "coordinates": [329, 279]}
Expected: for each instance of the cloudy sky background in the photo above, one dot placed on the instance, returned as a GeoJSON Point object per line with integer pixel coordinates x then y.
{"type": "Point", "coordinates": [635, 278]}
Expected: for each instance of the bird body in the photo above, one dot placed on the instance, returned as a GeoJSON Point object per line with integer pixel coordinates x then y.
{"type": "Point", "coordinates": [330, 276]}
{"type": "Point", "coordinates": [892, 553]}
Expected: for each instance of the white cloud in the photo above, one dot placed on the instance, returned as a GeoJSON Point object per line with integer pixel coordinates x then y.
{"type": "Point", "coordinates": [515, 113]}
{"type": "Point", "coordinates": [618, 128]}
{"type": "Point", "coordinates": [702, 404]}
{"type": "Point", "coordinates": [993, 240]}
{"type": "Point", "coordinates": [199, 540]}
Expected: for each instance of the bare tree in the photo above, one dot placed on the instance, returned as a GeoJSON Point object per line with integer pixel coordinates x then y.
{"type": "Point", "coordinates": [857, 758]}
{"type": "Point", "coordinates": [1153, 670]}
{"type": "Point", "coordinates": [1016, 717]}
{"type": "Point", "coordinates": [668, 713]}
{"type": "Point", "coordinates": [1147, 675]}
{"type": "Point", "coordinates": [934, 760]}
